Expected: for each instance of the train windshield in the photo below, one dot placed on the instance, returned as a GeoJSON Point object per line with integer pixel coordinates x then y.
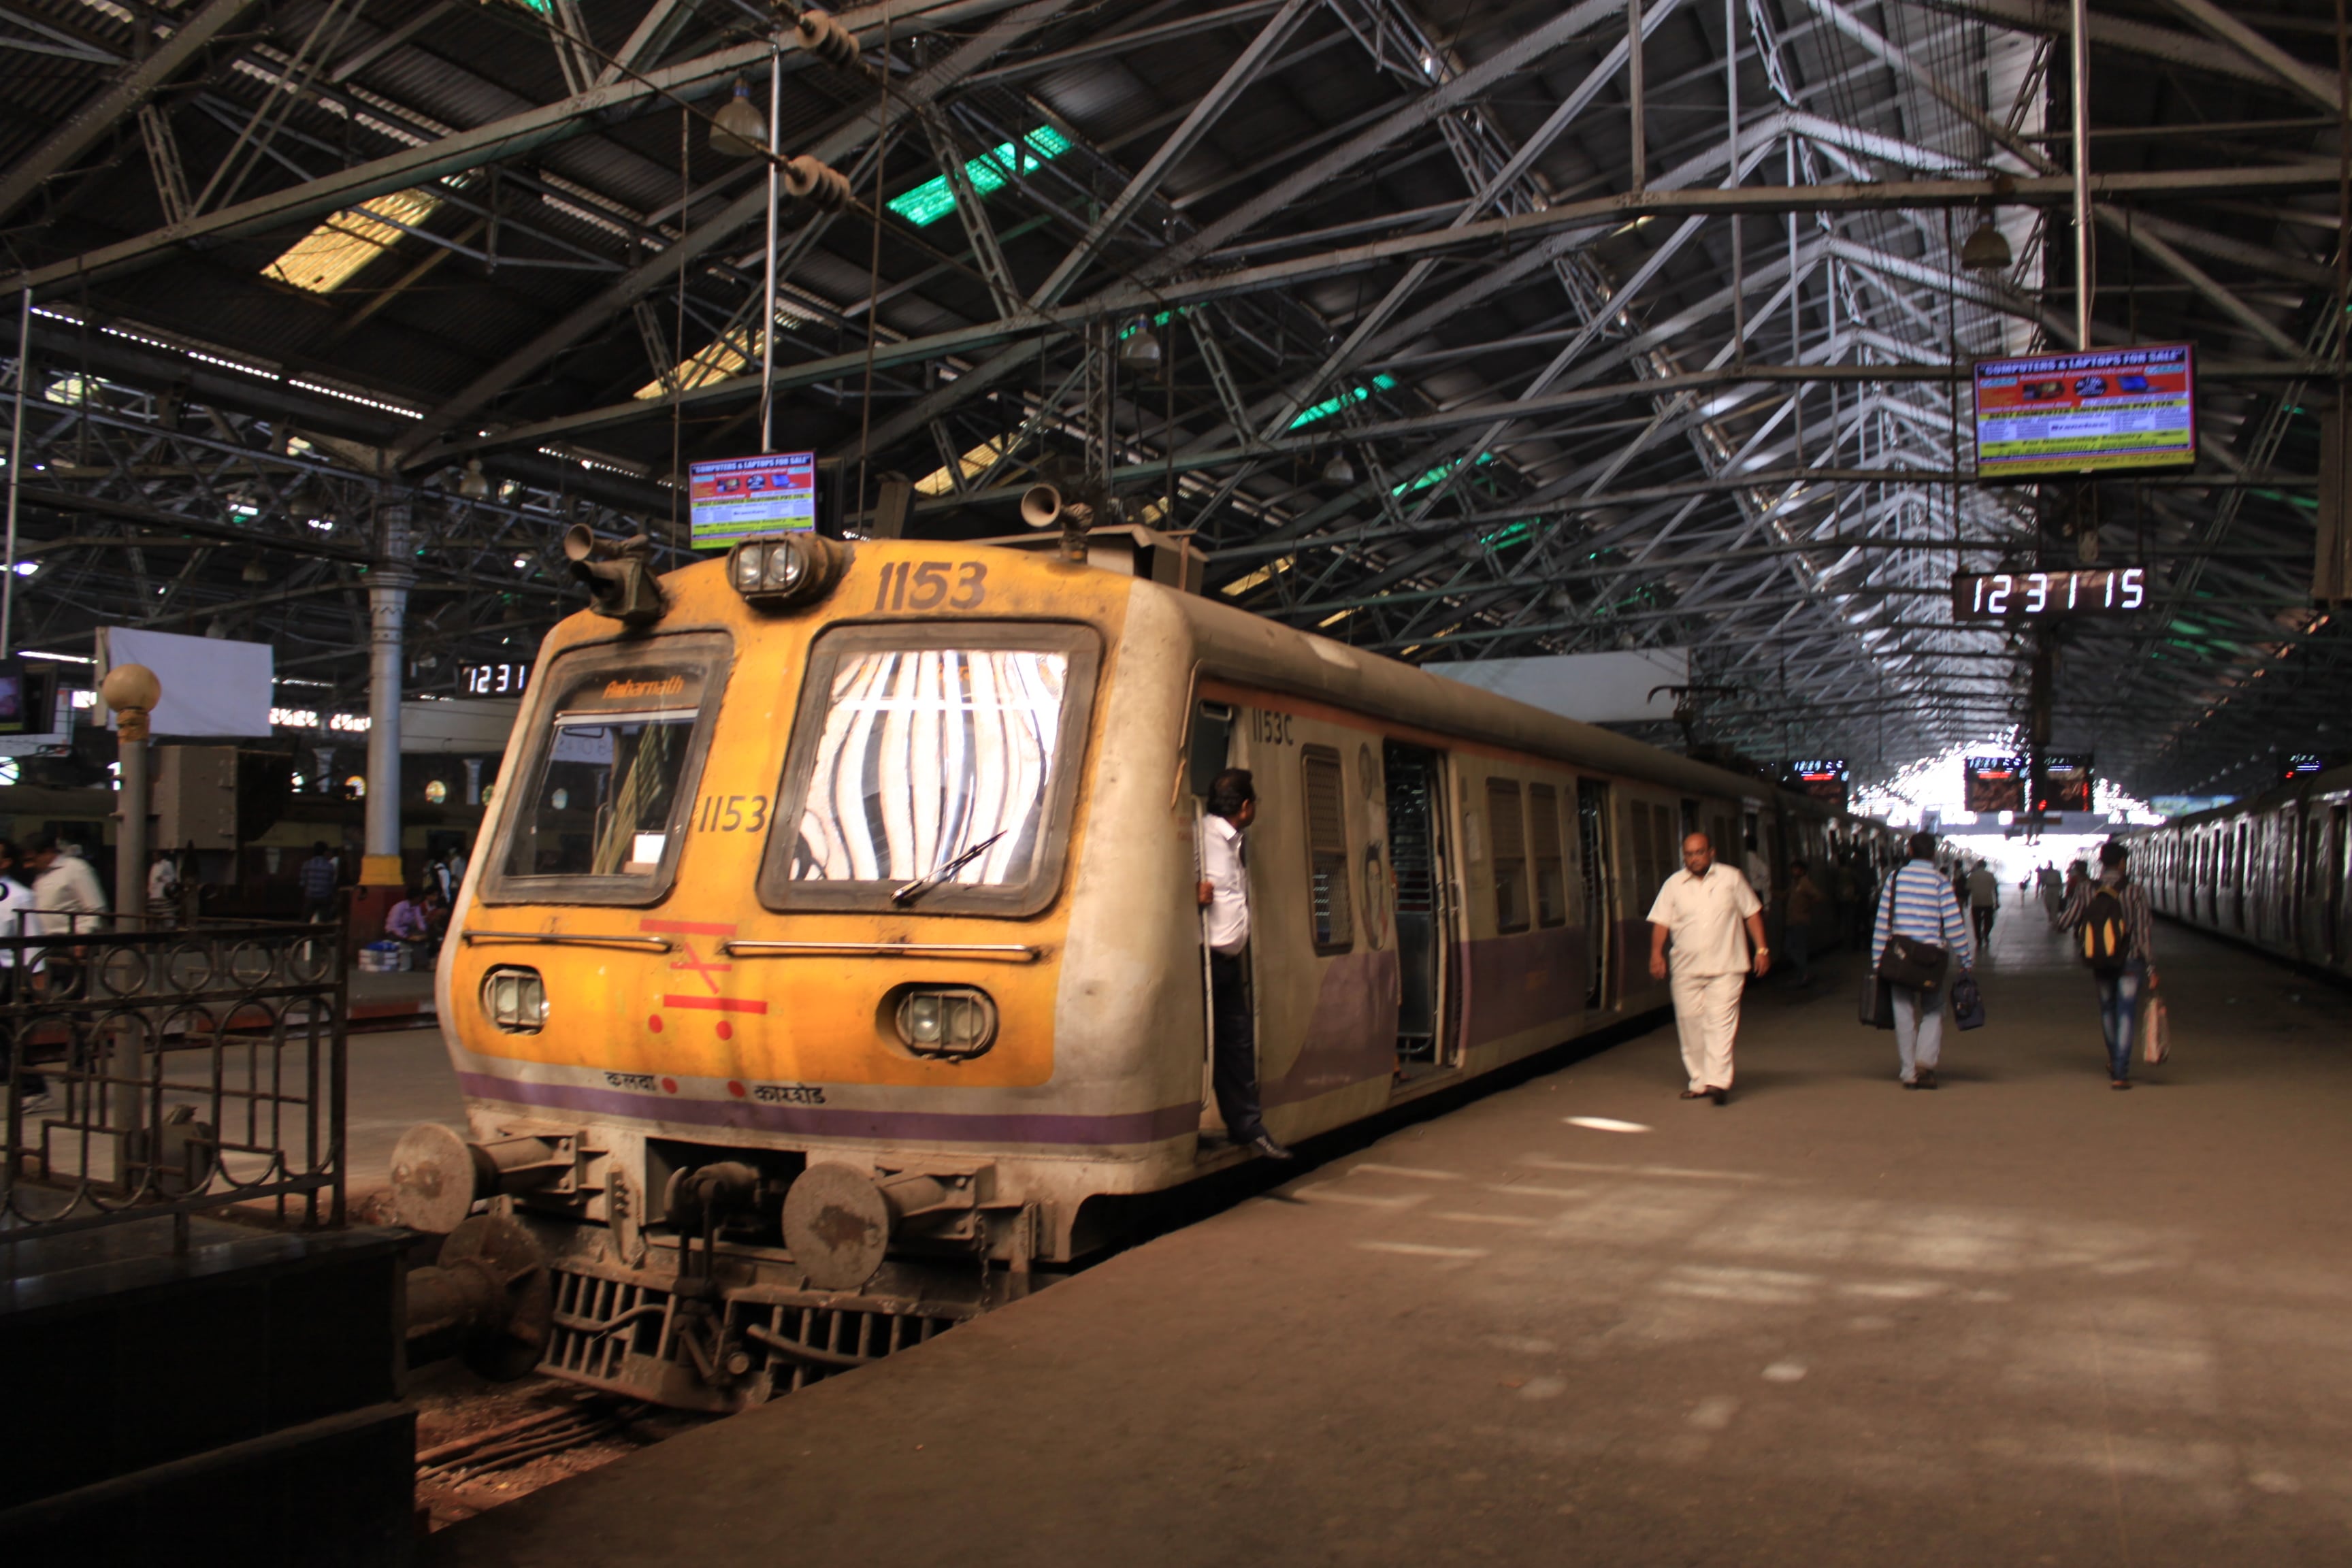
{"type": "Point", "coordinates": [603, 800]}
{"type": "Point", "coordinates": [930, 777]}
{"type": "Point", "coordinates": [595, 813]}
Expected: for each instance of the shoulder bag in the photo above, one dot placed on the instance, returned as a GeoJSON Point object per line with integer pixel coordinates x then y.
{"type": "Point", "coordinates": [1877, 1009]}
{"type": "Point", "coordinates": [1907, 960]}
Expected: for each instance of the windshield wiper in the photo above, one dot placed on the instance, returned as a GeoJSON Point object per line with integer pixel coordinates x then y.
{"type": "Point", "coordinates": [921, 885]}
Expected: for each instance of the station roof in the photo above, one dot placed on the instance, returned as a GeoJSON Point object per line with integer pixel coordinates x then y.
{"type": "Point", "coordinates": [1447, 363]}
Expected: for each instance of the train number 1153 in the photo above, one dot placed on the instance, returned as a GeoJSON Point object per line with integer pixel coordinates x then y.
{"type": "Point", "coordinates": [930, 584]}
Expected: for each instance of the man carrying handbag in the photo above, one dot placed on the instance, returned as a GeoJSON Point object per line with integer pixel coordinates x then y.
{"type": "Point", "coordinates": [1921, 932]}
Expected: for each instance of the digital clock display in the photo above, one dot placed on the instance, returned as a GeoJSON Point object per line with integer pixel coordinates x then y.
{"type": "Point", "coordinates": [2038, 596]}
{"type": "Point", "coordinates": [492, 680]}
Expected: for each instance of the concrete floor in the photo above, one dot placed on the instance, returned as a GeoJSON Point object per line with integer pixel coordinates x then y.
{"type": "Point", "coordinates": [399, 1076]}
{"type": "Point", "coordinates": [2022, 1319]}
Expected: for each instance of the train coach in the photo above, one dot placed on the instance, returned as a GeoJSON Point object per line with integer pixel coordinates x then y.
{"type": "Point", "coordinates": [2271, 870]}
{"type": "Point", "coordinates": [830, 962]}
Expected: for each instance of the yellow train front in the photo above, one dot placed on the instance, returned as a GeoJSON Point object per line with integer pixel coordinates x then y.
{"type": "Point", "coordinates": [830, 961]}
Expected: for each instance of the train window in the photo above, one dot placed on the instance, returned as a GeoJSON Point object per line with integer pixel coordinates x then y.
{"type": "Point", "coordinates": [1543, 832]}
{"type": "Point", "coordinates": [1329, 908]}
{"type": "Point", "coordinates": [932, 770]}
{"type": "Point", "coordinates": [1511, 854]}
{"type": "Point", "coordinates": [611, 776]}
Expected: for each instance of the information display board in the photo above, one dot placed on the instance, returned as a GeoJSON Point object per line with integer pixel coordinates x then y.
{"type": "Point", "coordinates": [734, 498]}
{"type": "Point", "coordinates": [1992, 784]}
{"type": "Point", "coordinates": [2089, 412]}
{"type": "Point", "coordinates": [2041, 595]}
{"type": "Point", "coordinates": [493, 679]}
{"type": "Point", "coordinates": [1823, 778]}
{"type": "Point", "coordinates": [2065, 783]}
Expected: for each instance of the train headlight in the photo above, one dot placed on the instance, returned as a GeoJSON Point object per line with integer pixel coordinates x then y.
{"type": "Point", "coordinates": [515, 999]}
{"type": "Point", "coordinates": [778, 573]}
{"type": "Point", "coordinates": [952, 1022]}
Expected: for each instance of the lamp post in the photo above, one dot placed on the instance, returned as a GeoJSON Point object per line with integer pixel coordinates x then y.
{"type": "Point", "coordinates": [131, 691]}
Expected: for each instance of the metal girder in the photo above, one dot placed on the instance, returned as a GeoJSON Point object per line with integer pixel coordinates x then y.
{"type": "Point", "coordinates": [1145, 183]}
{"type": "Point", "coordinates": [910, 98]}
{"type": "Point", "coordinates": [2314, 85]}
{"type": "Point", "coordinates": [506, 138]}
{"type": "Point", "coordinates": [1582, 217]}
{"type": "Point", "coordinates": [1504, 62]}
{"type": "Point", "coordinates": [98, 119]}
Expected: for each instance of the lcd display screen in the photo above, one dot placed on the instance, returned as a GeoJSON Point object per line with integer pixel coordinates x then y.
{"type": "Point", "coordinates": [2074, 414]}
{"type": "Point", "coordinates": [1993, 783]}
{"type": "Point", "coordinates": [735, 499]}
{"type": "Point", "coordinates": [2064, 785]}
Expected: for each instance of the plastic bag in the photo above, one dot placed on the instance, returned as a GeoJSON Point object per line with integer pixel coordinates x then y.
{"type": "Point", "coordinates": [2155, 1030]}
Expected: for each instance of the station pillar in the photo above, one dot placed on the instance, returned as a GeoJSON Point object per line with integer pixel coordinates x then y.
{"type": "Point", "coordinates": [380, 881]}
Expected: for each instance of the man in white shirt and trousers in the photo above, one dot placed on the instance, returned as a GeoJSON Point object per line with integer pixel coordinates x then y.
{"type": "Point", "coordinates": [1224, 898]}
{"type": "Point", "coordinates": [1703, 908]}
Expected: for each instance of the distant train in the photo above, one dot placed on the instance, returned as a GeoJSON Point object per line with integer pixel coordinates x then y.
{"type": "Point", "coordinates": [2271, 871]}
{"type": "Point", "coordinates": [830, 953]}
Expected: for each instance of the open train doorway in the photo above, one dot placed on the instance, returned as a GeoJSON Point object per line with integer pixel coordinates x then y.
{"type": "Point", "coordinates": [1415, 776]}
{"type": "Point", "coordinates": [1600, 917]}
{"type": "Point", "coordinates": [1207, 753]}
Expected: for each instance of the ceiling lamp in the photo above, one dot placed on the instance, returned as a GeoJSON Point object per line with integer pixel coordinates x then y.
{"type": "Point", "coordinates": [1339, 470]}
{"type": "Point", "coordinates": [476, 484]}
{"type": "Point", "coordinates": [1140, 349]}
{"type": "Point", "coordinates": [255, 571]}
{"type": "Point", "coordinates": [737, 131]}
{"type": "Point", "coordinates": [1985, 250]}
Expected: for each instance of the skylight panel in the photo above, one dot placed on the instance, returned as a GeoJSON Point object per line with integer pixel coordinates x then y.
{"type": "Point", "coordinates": [1330, 405]}
{"type": "Point", "coordinates": [935, 198]}
{"type": "Point", "coordinates": [324, 259]}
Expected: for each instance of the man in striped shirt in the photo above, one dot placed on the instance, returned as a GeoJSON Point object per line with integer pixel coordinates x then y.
{"type": "Point", "coordinates": [2119, 991]}
{"type": "Point", "coordinates": [1917, 902]}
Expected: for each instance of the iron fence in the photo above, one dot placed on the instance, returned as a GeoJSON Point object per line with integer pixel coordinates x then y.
{"type": "Point", "coordinates": [171, 1070]}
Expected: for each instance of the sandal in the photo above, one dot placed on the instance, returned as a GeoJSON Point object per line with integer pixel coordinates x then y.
{"type": "Point", "coordinates": [1694, 1094]}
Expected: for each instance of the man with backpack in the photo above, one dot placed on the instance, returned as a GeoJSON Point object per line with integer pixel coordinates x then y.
{"type": "Point", "coordinates": [2115, 937]}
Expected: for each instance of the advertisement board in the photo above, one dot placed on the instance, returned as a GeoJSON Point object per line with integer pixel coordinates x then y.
{"type": "Point", "coordinates": [2065, 783]}
{"type": "Point", "coordinates": [1992, 784]}
{"type": "Point", "coordinates": [1823, 778]}
{"type": "Point", "coordinates": [2075, 414]}
{"type": "Point", "coordinates": [734, 498]}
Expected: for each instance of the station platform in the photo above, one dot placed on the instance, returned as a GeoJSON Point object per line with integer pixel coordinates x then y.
{"type": "Point", "coordinates": [2022, 1320]}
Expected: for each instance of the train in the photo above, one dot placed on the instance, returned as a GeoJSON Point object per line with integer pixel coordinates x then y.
{"type": "Point", "coordinates": [830, 969]}
{"type": "Point", "coordinates": [2270, 872]}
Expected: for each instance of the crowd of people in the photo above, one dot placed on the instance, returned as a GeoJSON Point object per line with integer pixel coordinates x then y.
{"type": "Point", "coordinates": [1923, 926]}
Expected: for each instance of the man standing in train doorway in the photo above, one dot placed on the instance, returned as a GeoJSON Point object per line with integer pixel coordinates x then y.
{"type": "Point", "coordinates": [1702, 909]}
{"type": "Point", "coordinates": [1225, 896]}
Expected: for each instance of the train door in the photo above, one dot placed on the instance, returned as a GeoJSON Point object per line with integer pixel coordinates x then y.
{"type": "Point", "coordinates": [2239, 871]}
{"type": "Point", "coordinates": [1595, 850]}
{"type": "Point", "coordinates": [2338, 952]}
{"type": "Point", "coordinates": [1207, 754]}
{"type": "Point", "coordinates": [1417, 859]}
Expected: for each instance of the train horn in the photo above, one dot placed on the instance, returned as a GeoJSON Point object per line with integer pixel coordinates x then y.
{"type": "Point", "coordinates": [619, 577]}
{"type": "Point", "coordinates": [1041, 506]}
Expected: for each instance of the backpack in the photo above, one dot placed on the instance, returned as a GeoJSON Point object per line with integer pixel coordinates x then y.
{"type": "Point", "coordinates": [2105, 934]}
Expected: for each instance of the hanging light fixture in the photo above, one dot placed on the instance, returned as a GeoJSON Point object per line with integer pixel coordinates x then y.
{"type": "Point", "coordinates": [738, 129]}
{"type": "Point", "coordinates": [255, 571]}
{"type": "Point", "coordinates": [1987, 248]}
{"type": "Point", "coordinates": [476, 484]}
{"type": "Point", "coordinates": [1140, 349]}
{"type": "Point", "coordinates": [1339, 470]}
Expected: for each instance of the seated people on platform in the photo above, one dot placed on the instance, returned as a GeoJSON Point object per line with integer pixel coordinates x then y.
{"type": "Point", "coordinates": [411, 923]}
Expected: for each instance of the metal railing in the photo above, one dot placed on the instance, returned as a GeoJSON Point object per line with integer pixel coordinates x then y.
{"type": "Point", "coordinates": [186, 1069]}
